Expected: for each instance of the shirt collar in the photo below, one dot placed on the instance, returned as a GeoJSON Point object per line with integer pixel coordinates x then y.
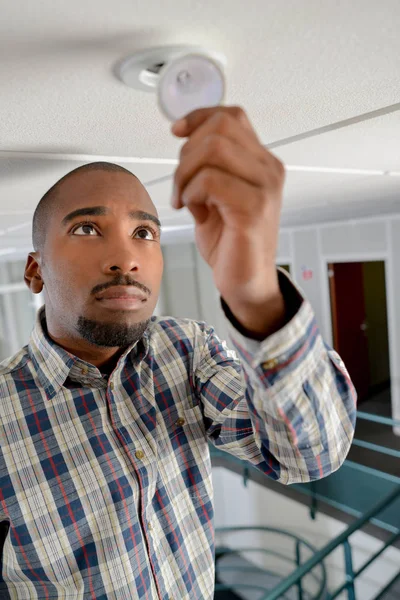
{"type": "Point", "coordinates": [54, 364]}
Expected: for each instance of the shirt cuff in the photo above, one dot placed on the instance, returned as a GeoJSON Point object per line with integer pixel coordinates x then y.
{"type": "Point", "coordinates": [284, 346]}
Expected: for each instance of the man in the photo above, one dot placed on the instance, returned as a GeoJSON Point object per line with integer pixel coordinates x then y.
{"type": "Point", "coordinates": [106, 415]}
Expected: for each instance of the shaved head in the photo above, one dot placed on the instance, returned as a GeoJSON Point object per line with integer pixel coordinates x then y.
{"type": "Point", "coordinates": [48, 202]}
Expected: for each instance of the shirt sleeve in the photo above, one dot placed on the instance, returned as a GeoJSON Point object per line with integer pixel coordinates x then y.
{"type": "Point", "coordinates": [286, 404]}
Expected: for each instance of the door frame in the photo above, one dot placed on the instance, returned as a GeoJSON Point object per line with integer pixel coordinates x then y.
{"type": "Point", "coordinates": [384, 257]}
{"type": "Point", "coordinates": [285, 261]}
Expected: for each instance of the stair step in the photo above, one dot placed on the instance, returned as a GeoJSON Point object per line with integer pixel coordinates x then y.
{"type": "Point", "coordinates": [236, 574]}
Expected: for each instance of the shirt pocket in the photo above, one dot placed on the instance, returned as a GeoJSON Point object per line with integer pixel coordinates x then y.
{"type": "Point", "coordinates": [184, 462]}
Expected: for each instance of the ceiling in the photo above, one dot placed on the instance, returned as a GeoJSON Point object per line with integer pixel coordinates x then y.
{"type": "Point", "coordinates": [319, 80]}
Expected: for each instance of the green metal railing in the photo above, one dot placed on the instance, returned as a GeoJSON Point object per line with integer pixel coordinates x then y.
{"type": "Point", "coordinates": [375, 447]}
{"type": "Point", "coordinates": [368, 516]}
{"type": "Point", "coordinates": [299, 545]}
{"type": "Point", "coordinates": [342, 539]}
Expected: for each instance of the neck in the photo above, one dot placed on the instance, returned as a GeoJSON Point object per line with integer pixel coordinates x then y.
{"type": "Point", "coordinates": [100, 357]}
{"type": "Point", "coordinates": [104, 359]}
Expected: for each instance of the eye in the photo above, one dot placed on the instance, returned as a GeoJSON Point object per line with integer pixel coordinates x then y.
{"type": "Point", "coordinates": [146, 230]}
{"type": "Point", "coordinates": [84, 227]}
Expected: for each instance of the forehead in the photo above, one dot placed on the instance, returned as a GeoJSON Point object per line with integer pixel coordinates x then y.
{"type": "Point", "coordinates": [114, 189]}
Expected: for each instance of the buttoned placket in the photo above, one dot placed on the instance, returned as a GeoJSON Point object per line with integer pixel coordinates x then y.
{"type": "Point", "coordinates": [134, 450]}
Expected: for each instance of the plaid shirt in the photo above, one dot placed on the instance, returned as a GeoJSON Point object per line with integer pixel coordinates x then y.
{"type": "Point", "coordinates": [105, 485]}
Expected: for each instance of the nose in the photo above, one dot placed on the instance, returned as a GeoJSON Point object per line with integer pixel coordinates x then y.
{"type": "Point", "coordinates": [121, 258]}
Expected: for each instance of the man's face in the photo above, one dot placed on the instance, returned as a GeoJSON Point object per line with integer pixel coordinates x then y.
{"type": "Point", "coordinates": [102, 262]}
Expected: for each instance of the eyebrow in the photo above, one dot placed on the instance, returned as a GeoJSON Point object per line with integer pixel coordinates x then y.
{"type": "Point", "coordinates": [101, 211]}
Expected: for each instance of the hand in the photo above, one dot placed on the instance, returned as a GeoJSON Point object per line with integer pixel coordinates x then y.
{"type": "Point", "coordinates": [233, 187]}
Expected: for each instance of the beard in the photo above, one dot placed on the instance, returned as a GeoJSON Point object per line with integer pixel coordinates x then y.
{"type": "Point", "coordinates": [111, 335]}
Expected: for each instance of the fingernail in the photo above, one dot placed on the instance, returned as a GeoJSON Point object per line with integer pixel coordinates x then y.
{"type": "Point", "coordinates": [179, 127]}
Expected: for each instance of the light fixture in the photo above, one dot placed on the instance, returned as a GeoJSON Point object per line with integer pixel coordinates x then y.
{"type": "Point", "coordinates": [337, 170]}
{"type": "Point", "coordinates": [183, 77]}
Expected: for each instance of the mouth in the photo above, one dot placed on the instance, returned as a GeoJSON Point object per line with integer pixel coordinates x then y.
{"type": "Point", "coordinates": [122, 298]}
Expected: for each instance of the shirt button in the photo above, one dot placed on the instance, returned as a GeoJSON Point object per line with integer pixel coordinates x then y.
{"type": "Point", "coordinates": [149, 526]}
{"type": "Point", "coordinates": [180, 422]}
{"type": "Point", "coordinates": [85, 371]}
{"type": "Point", "coordinates": [111, 385]}
{"type": "Point", "coordinates": [139, 454]}
{"type": "Point", "coordinates": [270, 364]}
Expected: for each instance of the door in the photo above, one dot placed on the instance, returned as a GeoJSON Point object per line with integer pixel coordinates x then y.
{"type": "Point", "coordinates": [349, 324]}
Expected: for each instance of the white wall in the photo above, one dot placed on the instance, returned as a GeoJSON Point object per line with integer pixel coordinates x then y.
{"type": "Point", "coordinates": [180, 284]}
{"type": "Point", "coordinates": [188, 288]}
{"type": "Point", "coordinates": [17, 309]}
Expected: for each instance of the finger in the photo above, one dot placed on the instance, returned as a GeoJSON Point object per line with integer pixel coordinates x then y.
{"type": "Point", "coordinates": [223, 124]}
{"type": "Point", "coordinates": [185, 127]}
{"type": "Point", "coordinates": [223, 154]}
{"type": "Point", "coordinates": [210, 188]}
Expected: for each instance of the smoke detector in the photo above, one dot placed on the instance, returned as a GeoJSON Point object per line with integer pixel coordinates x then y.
{"type": "Point", "coordinates": [183, 77]}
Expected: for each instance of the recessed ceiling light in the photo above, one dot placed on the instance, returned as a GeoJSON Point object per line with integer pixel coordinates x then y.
{"type": "Point", "coordinates": [184, 77]}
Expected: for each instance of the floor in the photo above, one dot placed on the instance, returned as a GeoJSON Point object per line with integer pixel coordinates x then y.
{"type": "Point", "coordinates": [234, 569]}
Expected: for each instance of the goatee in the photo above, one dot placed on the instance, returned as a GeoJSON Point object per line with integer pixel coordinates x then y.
{"type": "Point", "coordinates": [111, 335]}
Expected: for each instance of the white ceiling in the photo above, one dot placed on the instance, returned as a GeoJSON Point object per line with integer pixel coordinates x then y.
{"type": "Point", "coordinates": [295, 66]}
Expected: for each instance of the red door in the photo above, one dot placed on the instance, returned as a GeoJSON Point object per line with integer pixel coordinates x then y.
{"type": "Point", "coordinates": [349, 322]}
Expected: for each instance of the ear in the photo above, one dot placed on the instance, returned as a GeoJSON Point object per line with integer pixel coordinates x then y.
{"type": "Point", "coordinates": [32, 276]}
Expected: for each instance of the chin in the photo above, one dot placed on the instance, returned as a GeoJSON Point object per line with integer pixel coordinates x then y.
{"type": "Point", "coordinates": [115, 332]}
